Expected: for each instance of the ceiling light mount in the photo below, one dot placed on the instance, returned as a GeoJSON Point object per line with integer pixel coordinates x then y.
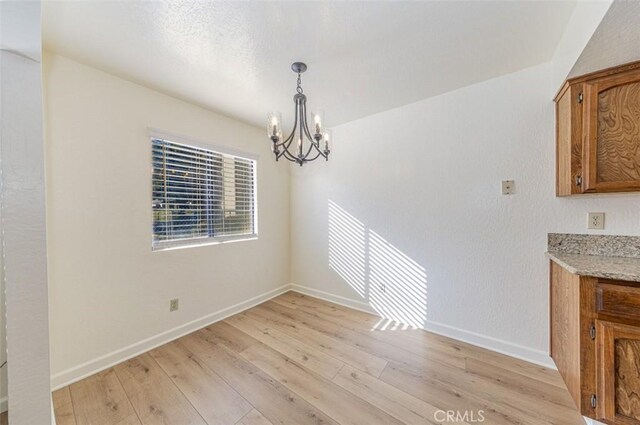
{"type": "Point", "coordinates": [307, 147]}
{"type": "Point", "coordinates": [299, 67]}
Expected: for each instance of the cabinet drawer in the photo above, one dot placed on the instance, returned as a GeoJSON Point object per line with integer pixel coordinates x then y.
{"type": "Point", "coordinates": [618, 300]}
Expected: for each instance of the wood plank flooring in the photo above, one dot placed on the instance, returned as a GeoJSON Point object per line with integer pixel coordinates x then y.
{"type": "Point", "coordinates": [297, 360]}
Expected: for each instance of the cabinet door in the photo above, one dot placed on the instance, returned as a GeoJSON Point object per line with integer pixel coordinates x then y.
{"type": "Point", "coordinates": [611, 151]}
{"type": "Point", "coordinates": [569, 140]}
{"type": "Point", "coordinates": [618, 366]}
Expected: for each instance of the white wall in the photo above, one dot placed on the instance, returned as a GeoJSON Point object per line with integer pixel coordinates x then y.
{"type": "Point", "coordinates": [459, 256]}
{"type": "Point", "coordinates": [3, 334]}
{"type": "Point", "coordinates": [23, 214]}
{"type": "Point", "coordinates": [3, 329]}
{"type": "Point", "coordinates": [109, 291]}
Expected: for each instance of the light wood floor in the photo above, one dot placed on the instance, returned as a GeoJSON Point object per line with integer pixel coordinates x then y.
{"type": "Point", "coordinates": [299, 360]}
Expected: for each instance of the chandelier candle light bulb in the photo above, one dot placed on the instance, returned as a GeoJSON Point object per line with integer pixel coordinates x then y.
{"type": "Point", "coordinates": [307, 143]}
{"type": "Point", "coordinates": [327, 141]}
{"type": "Point", "coordinates": [275, 125]}
{"type": "Point", "coordinates": [318, 120]}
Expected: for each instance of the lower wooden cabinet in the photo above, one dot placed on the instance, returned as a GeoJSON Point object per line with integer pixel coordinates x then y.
{"type": "Point", "coordinates": [595, 343]}
{"type": "Point", "coordinates": [618, 367]}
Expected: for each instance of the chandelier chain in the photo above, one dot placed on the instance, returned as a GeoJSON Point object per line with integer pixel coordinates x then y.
{"type": "Point", "coordinates": [299, 88]}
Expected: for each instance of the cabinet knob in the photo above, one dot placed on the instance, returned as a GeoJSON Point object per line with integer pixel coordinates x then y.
{"type": "Point", "coordinates": [578, 180]}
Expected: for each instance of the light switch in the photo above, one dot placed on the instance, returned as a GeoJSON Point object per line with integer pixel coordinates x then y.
{"type": "Point", "coordinates": [508, 187]}
{"type": "Point", "coordinates": [596, 221]}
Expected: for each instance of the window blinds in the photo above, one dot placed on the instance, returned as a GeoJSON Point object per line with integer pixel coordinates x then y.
{"type": "Point", "coordinates": [199, 194]}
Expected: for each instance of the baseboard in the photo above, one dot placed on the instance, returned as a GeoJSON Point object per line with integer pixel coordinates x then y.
{"type": "Point", "coordinates": [336, 299]}
{"type": "Point", "coordinates": [484, 341]}
{"type": "Point", "coordinates": [91, 367]}
{"type": "Point", "coordinates": [521, 352]}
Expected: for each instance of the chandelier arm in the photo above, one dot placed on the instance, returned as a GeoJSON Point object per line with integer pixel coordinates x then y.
{"type": "Point", "coordinates": [306, 126]}
{"type": "Point", "coordinates": [311, 146]}
{"type": "Point", "coordinates": [286, 153]}
{"type": "Point", "coordinates": [308, 134]}
{"type": "Point", "coordinates": [297, 122]}
{"type": "Point", "coordinates": [287, 156]}
{"type": "Point", "coordinates": [303, 119]}
{"type": "Point", "coordinates": [305, 157]}
{"type": "Point", "coordinates": [290, 160]}
{"type": "Point", "coordinates": [289, 139]}
{"type": "Point", "coordinates": [286, 141]}
{"type": "Point", "coordinates": [319, 154]}
{"type": "Point", "coordinates": [314, 158]}
{"type": "Point", "coordinates": [282, 153]}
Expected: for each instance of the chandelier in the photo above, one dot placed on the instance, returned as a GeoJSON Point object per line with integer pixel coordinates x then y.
{"type": "Point", "coordinates": [302, 145]}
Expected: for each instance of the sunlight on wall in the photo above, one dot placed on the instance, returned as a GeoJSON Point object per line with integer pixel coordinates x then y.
{"type": "Point", "coordinates": [392, 283]}
{"type": "Point", "coordinates": [397, 284]}
{"type": "Point", "coordinates": [347, 247]}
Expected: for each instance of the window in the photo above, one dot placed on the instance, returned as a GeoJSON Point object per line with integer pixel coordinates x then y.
{"type": "Point", "coordinates": [200, 195]}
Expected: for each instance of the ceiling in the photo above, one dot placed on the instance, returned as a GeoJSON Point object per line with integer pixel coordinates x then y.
{"type": "Point", "coordinates": [615, 41]}
{"type": "Point", "coordinates": [363, 57]}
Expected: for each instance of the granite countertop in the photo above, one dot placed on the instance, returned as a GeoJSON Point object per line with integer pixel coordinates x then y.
{"type": "Point", "coordinates": [609, 267]}
{"type": "Point", "coordinates": [605, 256]}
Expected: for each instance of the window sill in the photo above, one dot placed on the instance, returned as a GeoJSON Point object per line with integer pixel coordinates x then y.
{"type": "Point", "coordinates": [186, 244]}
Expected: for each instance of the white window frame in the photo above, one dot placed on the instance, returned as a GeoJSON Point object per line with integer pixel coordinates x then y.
{"type": "Point", "coordinates": [155, 134]}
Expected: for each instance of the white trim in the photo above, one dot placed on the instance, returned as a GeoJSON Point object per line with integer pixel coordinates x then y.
{"type": "Point", "coordinates": [337, 299]}
{"type": "Point", "coordinates": [511, 349]}
{"type": "Point", "coordinates": [484, 341]}
{"type": "Point", "coordinates": [196, 242]}
{"type": "Point", "coordinates": [74, 374]}
{"type": "Point", "coordinates": [154, 133]}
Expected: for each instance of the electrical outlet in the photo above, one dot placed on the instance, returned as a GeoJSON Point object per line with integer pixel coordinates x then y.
{"type": "Point", "coordinates": [508, 187]}
{"type": "Point", "coordinates": [173, 304]}
{"type": "Point", "coordinates": [596, 221]}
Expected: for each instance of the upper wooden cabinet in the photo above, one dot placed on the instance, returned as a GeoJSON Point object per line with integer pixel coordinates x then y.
{"type": "Point", "coordinates": [598, 132]}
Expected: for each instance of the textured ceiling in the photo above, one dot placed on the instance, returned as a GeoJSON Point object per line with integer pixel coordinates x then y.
{"type": "Point", "coordinates": [615, 41]}
{"type": "Point", "coordinates": [363, 57]}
